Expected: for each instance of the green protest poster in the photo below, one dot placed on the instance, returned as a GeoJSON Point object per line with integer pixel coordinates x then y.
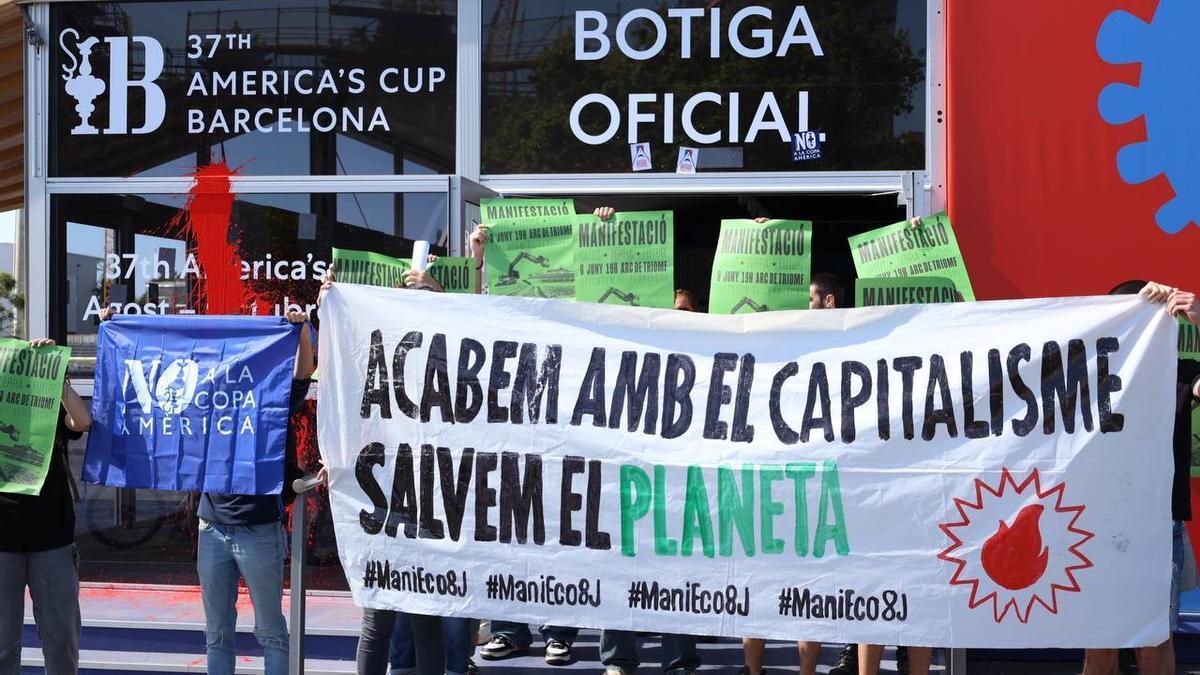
{"type": "Point", "coordinates": [456, 275]}
{"type": "Point", "coordinates": [900, 250]}
{"type": "Point", "coordinates": [532, 257]}
{"type": "Point", "coordinates": [31, 385]}
{"type": "Point", "coordinates": [369, 269]}
{"type": "Point", "coordinates": [907, 291]}
{"type": "Point", "coordinates": [495, 210]}
{"type": "Point", "coordinates": [1189, 348]}
{"type": "Point", "coordinates": [1189, 340]}
{"type": "Point", "coordinates": [761, 267]}
{"type": "Point", "coordinates": [627, 260]}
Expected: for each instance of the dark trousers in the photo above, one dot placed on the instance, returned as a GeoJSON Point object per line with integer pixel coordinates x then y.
{"type": "Point", "coordinates": [618, 651]}
{"type": "Point", "coordinates": [375, 640]}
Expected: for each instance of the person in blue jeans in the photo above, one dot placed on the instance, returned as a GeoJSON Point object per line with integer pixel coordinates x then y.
{"type": "Point", "coordinates": [37, 551]}
{"type": "Point", "coordinates": [457, 634]}
{"type": "Point", "coordinates": [510, 639]}
{"type": "Point", "coordinates": [243, 536]}
{"type": "Point", "coordinates": [618, 653]}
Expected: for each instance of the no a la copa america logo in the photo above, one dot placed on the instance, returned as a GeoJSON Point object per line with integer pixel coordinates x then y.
{"type": "Point", "coordinates": [182, 399]}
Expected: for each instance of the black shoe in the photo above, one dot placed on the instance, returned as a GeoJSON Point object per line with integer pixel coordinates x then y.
{"type": "Point", "coordinates": [472, 669]}
{"type": "Point", "coordinates": [558, 653]}
{"type": "Point", "coordinates": [847, 663]}
{"type": "Point", "coordinates": [902, 660]}
{"type": "Point", "coordinates": [746, 671]}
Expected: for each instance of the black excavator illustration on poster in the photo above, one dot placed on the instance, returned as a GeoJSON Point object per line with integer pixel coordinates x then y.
{"type": "Point", "coordinates": [747, 302]}
{"type": "Point", "coordinates": [627, 298]}
{"type": "Point", "coordinates": [547, 275]}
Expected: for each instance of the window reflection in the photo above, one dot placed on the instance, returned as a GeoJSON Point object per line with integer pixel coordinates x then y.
{"type": "Point", "coordinates": [139, 252]}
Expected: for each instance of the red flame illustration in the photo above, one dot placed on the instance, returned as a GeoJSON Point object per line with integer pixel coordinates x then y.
{"type": "Point", "coordinates": [1011, 556]}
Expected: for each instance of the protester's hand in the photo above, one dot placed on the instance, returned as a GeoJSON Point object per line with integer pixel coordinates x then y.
{"type": "Point", "coordinates": [431, 258]}
{"type": "Point", "coordinates": [107, 313]}
{"type": "Point", "coordinates": [296, 316]}
{"type": "Point", "coordinates": [604, 212]}
{"type": "Point", "coordinates": [478, 240]}
{"type": "Point", "coordinates": [326, 284]}
{"type": "Point", "coordinates": [914, 223]}
{"type": "Point", "coordinates": [1156, 293]}
{"type": "Point", "coordinates": [1183, 304]}
{"type": "Point", "coordinates": [761, 219]}
{"type": "Point", "coordinates": [323, 476]}
{"type": "Point", "coordinates": [41, 342]}
{"type": "Point", "coordinates": [421, 279]}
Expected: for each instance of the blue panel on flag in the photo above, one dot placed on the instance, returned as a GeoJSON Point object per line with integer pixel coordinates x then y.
{"type": "Point", "coordinates": [192, 403]}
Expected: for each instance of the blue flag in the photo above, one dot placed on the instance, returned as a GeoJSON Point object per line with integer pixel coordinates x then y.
{"type": "Point", "coordinates": [191, 403]}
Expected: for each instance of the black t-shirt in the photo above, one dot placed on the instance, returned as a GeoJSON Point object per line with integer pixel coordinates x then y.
{"type": "Point", "coordinates": [244, 510]}
{"type": "Point", "coordinates": [1181, 490]}
{"type": "Point", "coordinates": [30, 524]}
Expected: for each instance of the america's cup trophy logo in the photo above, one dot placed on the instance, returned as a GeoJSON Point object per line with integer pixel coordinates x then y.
{"type": "Point", "coordinates": [81, 84]}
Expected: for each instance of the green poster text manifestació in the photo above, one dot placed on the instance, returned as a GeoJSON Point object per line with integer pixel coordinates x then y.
{"type": "Point", "coordinates": [530, 255]}
{"type": "Point", "coordinates": [907, 291]}
{"type": "Point", "coordinates": [900, 250]}
{"type": "Point", "coordinates": [628, 259]}
{"type": "Point", "coordinates": [31, 385]}
{"type": "Point", "coordinates": [495, 210]}
{"type": "Point", "coordinates": [761, 266]}
{"type": "Point", "coordinates": [456, 275]}
{"type": "Point", "coordinates": [369, 269]}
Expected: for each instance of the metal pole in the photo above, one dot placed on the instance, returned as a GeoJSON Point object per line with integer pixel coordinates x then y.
{"type": "Point", "coordinates": [302, 486]}
{"type": "Point", "coordinates": [956, 663]}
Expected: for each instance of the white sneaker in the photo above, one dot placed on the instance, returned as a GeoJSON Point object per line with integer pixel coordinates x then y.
{"type": "Point", "coordinates": [499, 647]}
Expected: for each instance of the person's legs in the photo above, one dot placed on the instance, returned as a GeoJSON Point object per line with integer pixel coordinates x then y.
{"type": "Point", "coordinates": [373, 640]}
{"type": "Point", "coordinates": [919, 660]}
{"type": "Point", "coordinates": [218, 573]}
{"type": "Point", "coordinates": [430, 644]}
{"type": "Point", "coordinates": [12, 610]}
{"type": "Point", "coordinates": [753, 650]}
{"type": "Point", "coordinates": [260, 552]}
{"type": "Point", "coordinates": [868, 659]}
{"type": "Point", "coordinates": [561, 633]}
{"type": "Point", "coordinates": [508, 638]}
{"type": "Point", "coordinates": [679, 654]}
{"type": "Point", "coordinates": [618, 651]}
{"type": "Point", "coordinates": [53, 578]}
{"type": "Point", "coordinates": [810, 654]}
{"type": "Point", "coordinates": [1158, 660]}
{"type": "Point", "coordinates": [1100, 661]}
{"type": "Point", "coordinates": [457, 634]}
{"type": "Point", "coordinates": [402, 659]}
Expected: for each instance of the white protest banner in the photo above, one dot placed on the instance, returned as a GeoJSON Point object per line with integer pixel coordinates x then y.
{"type": "Point", "coordinates": [991, 474]}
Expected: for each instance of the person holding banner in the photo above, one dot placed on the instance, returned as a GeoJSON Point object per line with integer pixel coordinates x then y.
{"type": "Point", "coordinates": [618, 648]}
{"type": "Point", "coordinates": [825, 291]}
{"type": "Point", "coordinates": [37, 550]}
{"type": "Point", "coordinates": [243, 536]}
{"type": "Point", "coordinates": [1160, 659]}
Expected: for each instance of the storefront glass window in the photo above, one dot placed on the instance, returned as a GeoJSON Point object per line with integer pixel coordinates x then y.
{"type": "Point", "coordinates": [270, 87]}
{"type": "Point", "coordinates": [568, 86]}
{"type": "Point", "coordinates": [174, 254]}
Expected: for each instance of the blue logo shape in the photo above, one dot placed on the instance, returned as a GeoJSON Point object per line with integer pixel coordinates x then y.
{"type": "Point", "coordinates": [1168, 96]}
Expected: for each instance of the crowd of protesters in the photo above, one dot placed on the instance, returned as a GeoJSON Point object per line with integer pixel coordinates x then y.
{"type": "Point", "coordinates": [243, 537]}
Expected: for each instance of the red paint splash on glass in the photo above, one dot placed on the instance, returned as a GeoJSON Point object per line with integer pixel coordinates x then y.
{"type": "Point", "coordinates": [205, 222]}
{"type": "Point", "coordinates": [1014, 556]}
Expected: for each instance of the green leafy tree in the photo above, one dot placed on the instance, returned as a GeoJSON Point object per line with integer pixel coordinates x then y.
{"type": "Point", "coordinates": [12, 304]}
